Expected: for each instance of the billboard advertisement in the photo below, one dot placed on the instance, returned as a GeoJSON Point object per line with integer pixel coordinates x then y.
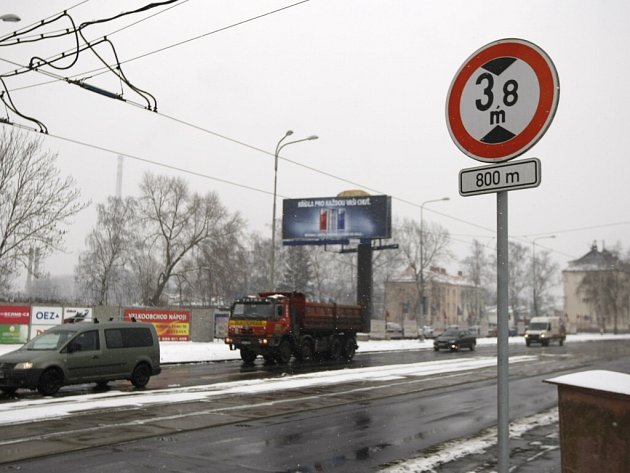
{"type": "Point", "coordinates": [171, 325]}
{"type": "Point", "coordinates": [43, 318]}
{"type": "Point", "coordinates": [14, 322]}
{"type": "Point", "coordinates": [77, 314]}
{"type": "Point", "coordinates": [221, 324]}
{"type": "Point", "coordinates": [337, 218]}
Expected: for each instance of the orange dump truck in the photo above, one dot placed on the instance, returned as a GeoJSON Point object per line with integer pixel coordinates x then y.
{"type": "Point", "coordinates": [278, 325]}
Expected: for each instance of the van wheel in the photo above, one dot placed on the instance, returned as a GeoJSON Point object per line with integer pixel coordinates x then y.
{"type": "Point", "coordinates": [50, 381]}
{"type": "Point", "coordinates": [141, 375]}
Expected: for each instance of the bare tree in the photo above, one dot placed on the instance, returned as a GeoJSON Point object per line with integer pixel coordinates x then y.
{"type": "Point", "coordinates": [421, 252]}
{"type": "Point", "coordinates": [101, 265]}
{"type": "Point", "coordinates": [476, 264]}
{"type": "Point", "coordinates": [218, 270]}
{"type": "Point", "coordinates": [545, 274]}
{"type": "Point", "coordinates": [35, 203]}
{"type": "Point", "coordinates": [297, 274]}
{"type": "Point", "coordinates": [176, 221]}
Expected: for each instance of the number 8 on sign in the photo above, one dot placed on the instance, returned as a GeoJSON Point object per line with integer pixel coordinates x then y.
{"type": "Point", "coordinates": [502, 100]}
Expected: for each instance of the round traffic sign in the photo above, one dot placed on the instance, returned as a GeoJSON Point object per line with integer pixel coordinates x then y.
{"type": "Point", "coordinates": [502, 100]}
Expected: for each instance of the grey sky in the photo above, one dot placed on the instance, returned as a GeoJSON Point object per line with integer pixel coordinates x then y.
{"type": "Point", "coordinates": [368, 77]}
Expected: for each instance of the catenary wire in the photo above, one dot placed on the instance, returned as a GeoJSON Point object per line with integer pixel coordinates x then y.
{"type": "Point", "coordinates": [310, 168]}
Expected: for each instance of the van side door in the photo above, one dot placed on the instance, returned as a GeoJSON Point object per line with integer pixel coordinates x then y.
{"type": "Point", "coordinates": [84, 357]}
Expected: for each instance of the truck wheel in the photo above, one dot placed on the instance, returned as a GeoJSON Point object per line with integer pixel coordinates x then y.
{"type": "Point", "coordinates": [306, 350]}
{"type": "Point", "coordinates": [247, 355]}
{"type": "Point", "coordinates": [472, 346]}
{"type": "Point", "coordinates": [334, 351]}
{"type": "Point", "coordinates": [349, 348]}
{"type": "Point", "coordinates": [527, 342]}
{"type": "Point", "coordinates": [561, 341]}
{"type": "Point", "coordinates": [50, 381]}
{"type": "Point", "coordinates": [284, 353]}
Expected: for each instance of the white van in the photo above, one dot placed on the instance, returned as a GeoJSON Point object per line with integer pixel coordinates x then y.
{"type": "Point", "coordinates": [544, 330]}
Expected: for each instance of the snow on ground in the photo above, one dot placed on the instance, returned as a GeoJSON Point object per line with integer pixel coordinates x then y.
{"type": "Point", "coordinates": [451, 451]}
{"type": "Point", "coordinates": [26, 410]}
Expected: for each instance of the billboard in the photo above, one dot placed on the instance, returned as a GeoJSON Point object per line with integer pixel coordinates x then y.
{"type": "Point", "coordinates": [77, 314]}
{"type": "Point", "coordinates": [337, 218]}
{"type": "Point", "coordinates": [170, 325]}
{"type": "Point", "coordinates": [43, 318]}
{"type": "Point", "coordinates": [14, 322]}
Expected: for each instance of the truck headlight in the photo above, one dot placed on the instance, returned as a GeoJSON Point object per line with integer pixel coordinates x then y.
{"type": "Point", "coordinates": [25, 365]}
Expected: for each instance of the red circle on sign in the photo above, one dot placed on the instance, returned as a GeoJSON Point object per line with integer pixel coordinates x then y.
{"type": "Point", "coordinates": [547, 103]}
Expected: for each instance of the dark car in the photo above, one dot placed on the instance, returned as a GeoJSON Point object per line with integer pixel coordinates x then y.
{"type": "Point", "coordinates": [455, 339]}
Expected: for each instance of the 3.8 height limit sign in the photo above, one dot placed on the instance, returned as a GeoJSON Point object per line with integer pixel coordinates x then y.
{"type": "Point", "coordinates": [500, 103]}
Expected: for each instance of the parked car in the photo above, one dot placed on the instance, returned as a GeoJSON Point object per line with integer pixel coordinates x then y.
{"type": "Point", "coordinates": [393, 330]}
{"type": "Point", "coordinates": [454, 340]}
{"type": "Point", "coordinates": [428, 332]}
{"type": "Point", "coordinates": [83, 353]}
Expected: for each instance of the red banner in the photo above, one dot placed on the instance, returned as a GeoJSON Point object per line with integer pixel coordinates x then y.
{"type": "Point", "coordinates": [171, 325]}
{"type": "Point", "coordinates": [15, 314]}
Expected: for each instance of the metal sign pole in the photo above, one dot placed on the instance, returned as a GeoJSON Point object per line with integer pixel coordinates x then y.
{"type": "Point", "coordinates": [503, 394]}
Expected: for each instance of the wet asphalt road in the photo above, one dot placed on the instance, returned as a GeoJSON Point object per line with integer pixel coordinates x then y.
{"type": "Point", "coordinates": [346, 428]}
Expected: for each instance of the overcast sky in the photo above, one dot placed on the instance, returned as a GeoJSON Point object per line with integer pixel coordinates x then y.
{"type": "Point", "coordinates": [370, 78]}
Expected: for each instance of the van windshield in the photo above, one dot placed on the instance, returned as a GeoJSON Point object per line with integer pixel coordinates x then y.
{"type": "Point", "coordinates": [255, 310]}
{"type": "Point", "coordinates": [539, 326]}
{"type": "Point", "coordinates": [50, 340]}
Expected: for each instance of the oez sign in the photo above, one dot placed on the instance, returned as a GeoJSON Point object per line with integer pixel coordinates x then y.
{"type": "Point", "coordinates": [46, 315]}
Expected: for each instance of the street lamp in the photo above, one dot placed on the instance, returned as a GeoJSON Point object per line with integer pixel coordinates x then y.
{"type": "Point", "coordinates": [10, 17]}
{"type": "Point", "coordinates": [422, 320]}
{"type": "Point", "coordinates": [279, 147]}
{"type": "Point", "coordinates": [534, 269]}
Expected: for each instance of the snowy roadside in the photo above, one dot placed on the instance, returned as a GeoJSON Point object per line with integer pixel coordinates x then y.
{"type": "Point", "coordinates": [192, 352]}
{"type": "Point", "coordinates": [479, 444]}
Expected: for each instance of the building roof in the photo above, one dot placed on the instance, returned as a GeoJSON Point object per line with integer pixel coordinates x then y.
{"type": "Point", "coordinates": [434, 274]}
{"type": "Point", "coordinates": [594, 260]}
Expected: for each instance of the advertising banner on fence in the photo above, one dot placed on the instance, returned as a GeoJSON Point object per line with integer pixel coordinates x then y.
{"type": "Point", "coordinates": [334, 218]}
{"type": "Point", "coordinates": [171, 325]}
{"type": "Point", "coordinates": [77, 314]}
{"type": "Point", "coordinates": [221, 324]}
{"type": "Point", "coordinates": [43, 318]}
{"type": "Point", "coordinates": [14, 321]}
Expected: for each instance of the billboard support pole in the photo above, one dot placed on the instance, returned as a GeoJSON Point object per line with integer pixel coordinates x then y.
{"type": "Point", "coordinates": [364, 281]}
